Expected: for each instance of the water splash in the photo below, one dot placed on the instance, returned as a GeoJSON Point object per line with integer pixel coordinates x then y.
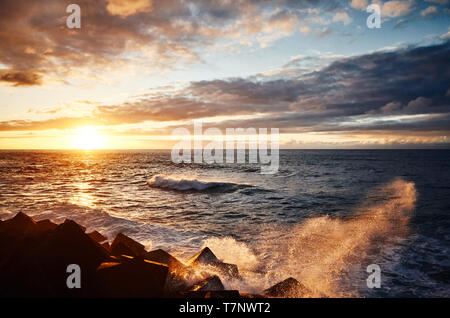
{"type": "Point", "coordinates": [320, 251]}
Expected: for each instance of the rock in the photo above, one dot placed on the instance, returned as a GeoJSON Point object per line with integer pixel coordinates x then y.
{"type": "Point", "coordinates": [19, 226]}
{"type": "Point", "coordinates": [163, 257]}
{"type": "Point", "coordinates": [134, 277]}
{"type": "Point", "coordinates": [46, 225]}
{"type": "Point", "coordinates": [68, 244]}
{"type": "Point", "coordinates": [82, 228]}
{"type": "Point", "coordinates": [122, 244]}
{"type": "Point", "coordinates": [288, 288]}
{"type": "Point", "coordinates": [21, 274]}
{"type": "Point", "coordinates": [36, 265]}
{"type": "Point", "coordinates": [209, 284]}
{"type": "Point", "coordinates": [223, 294]}
{"type": "Point", "coordinates": [207, 257]}
{"type": "Point", "coordinates": [96, 236]}
{"type": "Point", "coordinates": [213, 294]}
{"type": "Point", "coordinates": [204, 257]}
{"type": "Point", "coordinates": [176, 280]}
{"type": "Point", "coordinates": [230, 270]}
{"type": "Point", "coordinates": [12, 234]}
{"type": "Point", "coordinates": [106, 246]}
{"type": "Point", "coordinates": [248, 295]}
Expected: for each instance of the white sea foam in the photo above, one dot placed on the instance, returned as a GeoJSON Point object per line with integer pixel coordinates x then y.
{"type": "Point", "coordinates": [318, 251]}
{"type": "Point", "coordinates": [183, 184]}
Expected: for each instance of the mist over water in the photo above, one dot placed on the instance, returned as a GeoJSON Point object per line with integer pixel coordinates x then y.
{"type": "Point", "coordinates": [322, 219]}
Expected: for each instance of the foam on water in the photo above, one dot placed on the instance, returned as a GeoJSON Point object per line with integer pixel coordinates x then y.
{"type": "Point", "coordinates": [320, 250]}
{"type": "Point", "coordinates": [183, 183]}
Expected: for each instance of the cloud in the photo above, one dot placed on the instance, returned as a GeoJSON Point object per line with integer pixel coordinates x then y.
{"type": "Point", "coordinates": [420, 104]}
{"type": "Point", "coordinates": [342, 17]}
{"type": "Point", "coordinates": [142, 33]}
{"type": "Point", "coordinates": [20, 78]}
{"type": "Point", "coordinates": [55, 123]}
{"type": "Point", "coordinates": [429, 11]}
{"type": "Point", "coordinates": [359, 4]}
{"type": "Point", "coordinates": [125, 8]}
{"type": "Point", "coordinates": [405, 90]}
{"type": "Point", "coordinates": [393, 9]}
{"type": "Point", "coordinates": [446, 36]}
{"type": "Point", "coordinates": [391, 107]}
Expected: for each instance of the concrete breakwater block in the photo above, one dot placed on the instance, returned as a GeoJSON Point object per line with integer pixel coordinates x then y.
{"type": "Point", "coordinates": [96, 236]}
{"type": "Point", "coordinates": [135, 278]}
{"type": "Point", "coordinates": [212, 283]}
{"type": "Point", "coordinates": [206, 257]}
{"type": "Point", "coordinates": [163, 257]}
{"type": "Point", "coordinates": [288, 288]}
{"type": "Point", "coordinates": [123, 244]}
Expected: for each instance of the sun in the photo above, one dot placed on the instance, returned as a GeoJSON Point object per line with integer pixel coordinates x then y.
{"type": "Point", "coordinates": [88, 138]}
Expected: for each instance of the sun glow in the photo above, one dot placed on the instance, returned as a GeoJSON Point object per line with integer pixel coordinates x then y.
{"type": "Point", "coordinates": [88, 138]}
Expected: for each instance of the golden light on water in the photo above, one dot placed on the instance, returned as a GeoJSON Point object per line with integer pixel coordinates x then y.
{"type": "Point", "coordinates": [83, 196]}
{"type": "Point", "coordinates": [88, 137]}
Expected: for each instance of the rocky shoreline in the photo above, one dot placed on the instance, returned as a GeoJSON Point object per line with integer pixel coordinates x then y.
{"type": "Point", "coordinates": [34, 260]}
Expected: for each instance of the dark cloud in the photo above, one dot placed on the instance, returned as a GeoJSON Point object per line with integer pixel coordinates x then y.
{"type": "Point", "coordinates": [20, 78]}
{"type": "Point", "coordinates": [56, 123]}
{"type": "Point", "coordinates": [398, 90]}
{"type": "Point", "coordinates": [33, 34]}
{"type": "Point", "coordinates": [363, 92]}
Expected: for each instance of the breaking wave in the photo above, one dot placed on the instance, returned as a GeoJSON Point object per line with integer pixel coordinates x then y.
{"type": "Point", "coordinates": [322, 250]}
{"type": "Point", "coordinates": [186, 184]}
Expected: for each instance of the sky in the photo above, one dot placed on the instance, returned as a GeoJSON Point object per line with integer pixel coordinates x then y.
{"type": "Point", "coordinates": [138, 69]}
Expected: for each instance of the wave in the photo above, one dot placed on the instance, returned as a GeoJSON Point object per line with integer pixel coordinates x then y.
{"type": "Point", "coordinates": [328, 255]}
{"type": "Point", "coordinates": [186, 184]}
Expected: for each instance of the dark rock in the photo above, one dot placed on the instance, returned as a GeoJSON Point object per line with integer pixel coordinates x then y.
{"type": "Point", "coordinates": [96, 236]}
{"type": "Point", "coordinates": [21, 274]}
{"type": "Point", "coordinates": [209, 284]}
{"type": "Point", "coordinates": [135, 277]}
{"type": "Point", "coordinates": [230, 270]}
{"type": "Point", "coordinates": [106, 246]}
{"type": "Point", "coordinates": [122, 244]}
{"type": "Point", "coordinates": [82, 228]}
{"type": "Point", "coordinates": [36, 266]}
{"type": "Point", "coordinates": [207, 257]}
{"type": "Point", "coordinates": [68, 244]}
{"type": "Point", "coordinates": [248, 295]}
{"type": "Point", "coordinates": [46, 225]}
{"type": "Point", "coordinates": [213, 294]}
{"type": "Point", "coordinates": [204, 257]}
{"type": "Point", "coordinates": [12, 234]}
{"type": "Point", "coordinates": [19, 226]}
{"type": "Point", "coordinates": [176, 282]}
{"type": "Point", "coordinates": [163, 257]}
{"type": "Point", "coordinates": [288, 288]}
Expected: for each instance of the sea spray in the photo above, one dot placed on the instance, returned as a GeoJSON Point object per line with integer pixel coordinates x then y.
{"type": "Point", "coordinates": [321, 250]}
{"type": "Point", "coordinates": [234, 252]}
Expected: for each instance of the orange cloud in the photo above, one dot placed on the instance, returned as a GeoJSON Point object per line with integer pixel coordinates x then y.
{"type": "Point", "coordinates": [126, 8]}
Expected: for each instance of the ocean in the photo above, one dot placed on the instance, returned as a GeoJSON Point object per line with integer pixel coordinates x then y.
{"type": "Point", "coordinates": [322, 219]}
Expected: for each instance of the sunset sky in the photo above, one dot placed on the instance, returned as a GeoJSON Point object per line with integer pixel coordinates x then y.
{"type": "Point", "coordinates": [136, 70]}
